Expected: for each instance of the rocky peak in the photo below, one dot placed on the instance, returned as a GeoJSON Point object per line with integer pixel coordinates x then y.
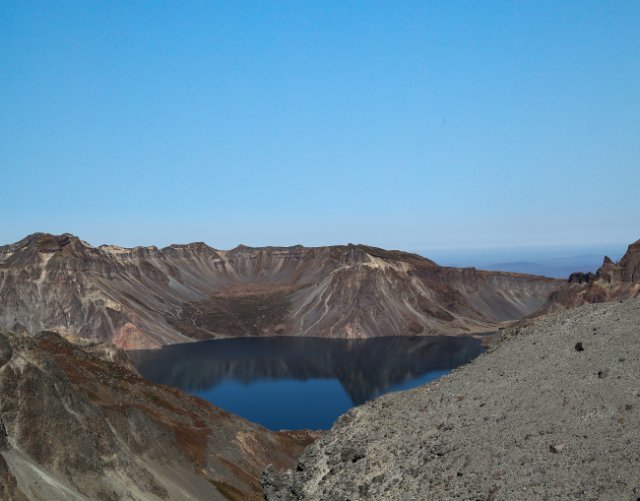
{"type": "Point", "coordinates": [194, 246]}
{"type": "Point", "coordinates": [612, 281]}
{"type": "Point", "coordinates": [46, 243]}
{"type": "Point", "coordinates": [186, 251]}
{"type": "Point", "coordinates": [626, 270]}
{"type": "Point", "coordinates": [630, 263]}
{"type": "Point", "coordinates": [32, 250]}
{"type": "Point", "coordinates": [49, 243]}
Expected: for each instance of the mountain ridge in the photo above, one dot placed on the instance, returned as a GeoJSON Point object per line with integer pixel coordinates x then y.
{"type": "Point", "coordinates": [143, 297]}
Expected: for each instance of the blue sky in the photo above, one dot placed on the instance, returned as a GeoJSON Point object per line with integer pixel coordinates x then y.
{"type": "Point", "coordinates": [412, 125]}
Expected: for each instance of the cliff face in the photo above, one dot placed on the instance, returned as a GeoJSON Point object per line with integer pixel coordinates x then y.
{"type": "Point", "coordinates": [612, 281]}
{"type": "Point", "coordinates": [75, 425]}
{"type": "Point", "coordinates": [146, 297]}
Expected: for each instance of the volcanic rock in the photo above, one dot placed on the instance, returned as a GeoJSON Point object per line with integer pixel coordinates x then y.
{"type": "Point", "coordinates": [145, 297]}
{"type": "Point", "coordinates": [612, 281]}
{"type": "Point", "coordinates": [74, 425]}
{"type": "Point", "coordinates": [530, 419]}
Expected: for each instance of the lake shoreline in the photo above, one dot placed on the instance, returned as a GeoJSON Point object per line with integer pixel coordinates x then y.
{"type": "Point", "coordinates": [266, 380]}
{"type": "Point", "coordinates": [550, 412]}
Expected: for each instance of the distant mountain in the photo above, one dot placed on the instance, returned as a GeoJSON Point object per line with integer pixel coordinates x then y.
{"type": "Point", "coordinates": [560, 267]}
{"type": "Point", "coordinates": [556, 262]}
{"type": "Point", "coordinates": [147, 297]}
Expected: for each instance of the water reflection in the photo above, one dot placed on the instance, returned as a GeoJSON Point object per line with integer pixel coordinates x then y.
{"type": "Point", "coordinates": [245, 375]}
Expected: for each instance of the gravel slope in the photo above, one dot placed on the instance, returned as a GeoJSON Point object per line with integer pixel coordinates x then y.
{"type": "Point", "coordinates": [552, 412]}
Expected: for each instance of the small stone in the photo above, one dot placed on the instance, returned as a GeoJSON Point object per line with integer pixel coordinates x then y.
{"type": "Point", "coordinates": [579, 347]}
{"type": "Point", "coordinates": [556, 448]}
{"type": "Point", "coordinates": [603, 373]}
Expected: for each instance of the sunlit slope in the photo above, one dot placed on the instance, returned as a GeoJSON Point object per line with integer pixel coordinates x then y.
{"type": "Point", "coordinates": [146, 297]}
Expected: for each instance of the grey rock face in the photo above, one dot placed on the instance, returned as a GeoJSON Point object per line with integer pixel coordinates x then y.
{"type": "Point", "coordinates": [531, 419]}
{"type": "Point", "coordinates": [146, 297]}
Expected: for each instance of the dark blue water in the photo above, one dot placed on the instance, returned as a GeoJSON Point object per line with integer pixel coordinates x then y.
{"type": "Point", "coordinates": [297, 383]}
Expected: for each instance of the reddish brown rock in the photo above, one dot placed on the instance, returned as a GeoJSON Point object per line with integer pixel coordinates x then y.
{"type": "Point", "coordinates": [76, 422]}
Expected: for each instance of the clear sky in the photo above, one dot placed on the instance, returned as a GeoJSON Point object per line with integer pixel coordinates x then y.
{"type": "Point", "coordinates": [413, 125]}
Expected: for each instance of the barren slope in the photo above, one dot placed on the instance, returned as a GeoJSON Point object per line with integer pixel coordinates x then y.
{"type": "Point", "coordinates": [553, 412]}
{"type": "Point", "coordinates": [146, 297]}
{"type": "Point", "coordinates": [76, 425]}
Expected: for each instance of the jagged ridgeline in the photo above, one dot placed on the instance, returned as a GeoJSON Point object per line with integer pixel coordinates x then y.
{"type": "Point", "coordinates": [146, 297]}
{"type": "Point", "coordinates": [612, 281]}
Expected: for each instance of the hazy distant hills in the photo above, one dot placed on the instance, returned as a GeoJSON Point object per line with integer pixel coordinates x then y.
{"type": "Point", "coordinates": [588, 278]}
{"type": "Point", "coordinates": [148, 297]}
{"type": "Point", "coordinates": [556, 262]}
{"type": "Point", "coordinates": [558, 268]}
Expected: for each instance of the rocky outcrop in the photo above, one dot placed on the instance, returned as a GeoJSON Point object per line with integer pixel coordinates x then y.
{"type": "Point", "coordinates": [76, 425]}
{"type": "Point", "coordinates": [552, 412]}
{"type": "Point", "coordinates": [146, 297]}
{"type": "Point", "coordinates": [612, 281]}
{"type": "Point", "coordinates": [581, 278]}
